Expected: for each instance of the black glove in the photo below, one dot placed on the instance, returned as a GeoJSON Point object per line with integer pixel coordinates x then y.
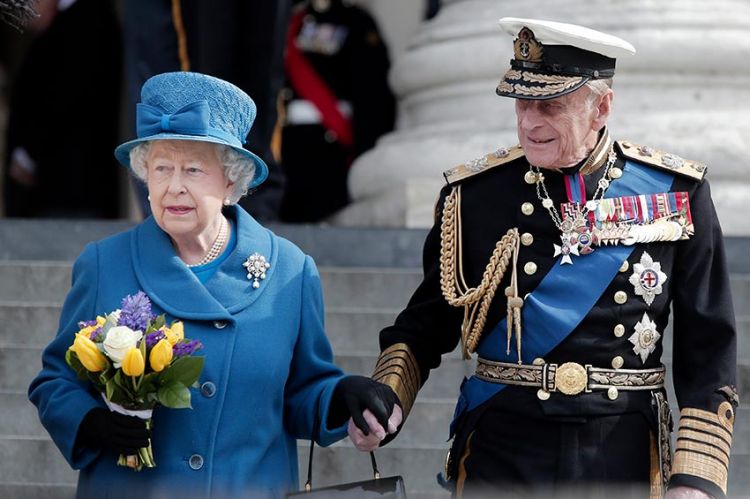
{"type": "Point", "coordinates": [104, 428]}
{"type": "Point", "coordinates": [354, 394]}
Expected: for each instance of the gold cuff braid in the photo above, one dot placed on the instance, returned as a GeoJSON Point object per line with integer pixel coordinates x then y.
{"type": "Point", "coordinates": [397, 367]}
{"type": "Point", "coordinates": [704, 440]}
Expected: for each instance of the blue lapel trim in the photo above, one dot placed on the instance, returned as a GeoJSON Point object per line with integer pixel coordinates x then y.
{"type": "Point", "coordinates": [548, 316]}
{"type": "Point", "coordinates": [173, 287]}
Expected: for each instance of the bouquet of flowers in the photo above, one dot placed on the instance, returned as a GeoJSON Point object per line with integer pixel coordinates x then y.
{"type": "Point", "coordinates": [136, 361]}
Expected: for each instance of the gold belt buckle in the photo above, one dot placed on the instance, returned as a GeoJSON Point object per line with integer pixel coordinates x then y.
{"type": "Point", "coordinates": [571, 378]}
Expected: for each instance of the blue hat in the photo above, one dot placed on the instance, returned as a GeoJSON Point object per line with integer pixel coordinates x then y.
{"type": "Point", "coordinates": [194, 106]}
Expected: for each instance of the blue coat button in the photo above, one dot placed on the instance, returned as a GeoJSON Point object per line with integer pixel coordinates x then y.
{"type": "Point", "coordinates": [196, 461]}
{"type": "Point", "coordinates": [220, 324]}
{"type": "Point", "coordinates": [208, 389]}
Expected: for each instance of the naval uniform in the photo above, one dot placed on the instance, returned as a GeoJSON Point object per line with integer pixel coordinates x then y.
{"type": "Point", "coordinates": [528, 437]}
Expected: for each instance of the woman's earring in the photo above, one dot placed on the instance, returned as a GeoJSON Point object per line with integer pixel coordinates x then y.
{"type": "Point", "coordinates": [149, 197]}
{"type": "Point", "coordinates": [227, 202]}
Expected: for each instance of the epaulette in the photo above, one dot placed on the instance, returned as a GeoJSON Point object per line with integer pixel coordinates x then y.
{"type": "Point", "coordinates": [482, 163]}
{"type": "Point", "coordinates": [662, 160]}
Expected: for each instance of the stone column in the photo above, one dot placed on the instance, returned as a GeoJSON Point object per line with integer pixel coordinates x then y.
{"type": "Point", "coordinates": [686, 91]}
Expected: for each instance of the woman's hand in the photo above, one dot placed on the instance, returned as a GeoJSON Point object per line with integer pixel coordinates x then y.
{"type": "Point", "coordinates": [372, 407]}
{"type": "Point", "coordinates": [368, 442]}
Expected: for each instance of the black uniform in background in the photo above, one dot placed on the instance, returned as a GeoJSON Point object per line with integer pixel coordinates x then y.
{"type": "Point", "coordinates": [64, 113]}
{"type": "Point", "coordinates": [240, 41]}
{"type": "Point", "coordinates": [517, 442]}
{"type": "Point", "coordinates": [344, 48]}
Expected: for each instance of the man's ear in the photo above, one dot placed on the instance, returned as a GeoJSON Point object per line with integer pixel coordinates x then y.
{"type": "Point", "coordinates": [603, 110]}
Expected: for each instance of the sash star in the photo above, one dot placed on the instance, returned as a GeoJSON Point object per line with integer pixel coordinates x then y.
{"type": "Point", "coordinates": [647, 278]}
{"type": "Point", "coordinates": [645, 337]}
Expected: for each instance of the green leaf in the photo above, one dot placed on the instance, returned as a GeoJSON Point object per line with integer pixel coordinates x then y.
{"type": "Point", "coordinates": [175, 396]}
{"type": "Point", "coordinates": [185, 370]}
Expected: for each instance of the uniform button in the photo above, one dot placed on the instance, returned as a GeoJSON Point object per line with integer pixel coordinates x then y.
{"type": "Point", "coordinates": [527, 239]}
{"type": "Point", "coordinates": [615, 173]}
{"type": "Point", "coordinates": [618, 362]}
{"type": "Point", "coordinates": [625, 266]}
{"type": "Point", "coordinates": [530, 268]}
{"type": "Point", "coordinates": [220, 324]}
{"type": "Point", "coordinates": [196, 461]}
{"type": "Point", "coordinates": [621, 297]}
{"type": "Point", "coordinates": [530, 177]}
{"type": "Point", "coordinates": [619, 330]}
{"type": "Point", "coordinates": [538, 361]}
{"type": "Point", "coordinates": [612, 393]}
{"type": "Point", "coordinates": [330, 136]}
{"type": "Point", "coordinates": [208, 389]}
{"type": "Point", "coordinates": [542, 395]}
{"type": "Point", "coordinates": [527, 208]}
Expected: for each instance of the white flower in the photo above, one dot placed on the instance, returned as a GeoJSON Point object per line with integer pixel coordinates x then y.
{"type": "Point", "coordinates": [118, 341]}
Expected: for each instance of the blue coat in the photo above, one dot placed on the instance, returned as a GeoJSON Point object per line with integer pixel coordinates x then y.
{"type": "Point", "coordinates": [265, 351]}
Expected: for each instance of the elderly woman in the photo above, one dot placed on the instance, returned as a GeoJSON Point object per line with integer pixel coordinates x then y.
{"type": "Point", "coordinates": [268, 377]}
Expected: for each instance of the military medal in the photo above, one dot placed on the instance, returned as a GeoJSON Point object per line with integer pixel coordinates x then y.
{"type": "Point", "coordinates": [647, 278]}
{"type": "Point", "coordinates": [576, 224]}
{"type": "Point", "coordinates": [256, 266]}
{"type": "Point", "coordinates": [645, 337]}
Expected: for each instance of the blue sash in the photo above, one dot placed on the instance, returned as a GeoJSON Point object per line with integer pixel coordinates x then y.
{"type": "Point", "coordinates": [548, 314]}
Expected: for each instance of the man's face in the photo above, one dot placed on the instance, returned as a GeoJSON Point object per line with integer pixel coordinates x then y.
{"type": "Point", "coordinates": [558, 132]}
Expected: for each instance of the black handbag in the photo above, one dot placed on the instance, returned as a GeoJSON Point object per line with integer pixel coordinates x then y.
{"type": "Point", "coordinates": [391, 487]}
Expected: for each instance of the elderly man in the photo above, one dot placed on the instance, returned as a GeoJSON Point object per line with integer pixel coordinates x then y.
{"type": "Point", "coordinates": [556, 262]}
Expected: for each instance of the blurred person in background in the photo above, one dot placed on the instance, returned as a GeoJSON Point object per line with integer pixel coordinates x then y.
{"type": "Point", "coordinates": [240, 41]}
{"type": "Point", "coordinates": [58, 160]}
{"type": "Point", "coordinates": [336, 104]}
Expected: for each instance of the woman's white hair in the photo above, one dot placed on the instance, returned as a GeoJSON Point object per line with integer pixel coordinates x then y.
{"type": "Point", "coordinates": [238, 169]}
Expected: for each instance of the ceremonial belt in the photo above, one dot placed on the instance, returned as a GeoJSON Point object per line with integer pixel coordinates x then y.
{"type": "Point", "coordinates": [569, 378]}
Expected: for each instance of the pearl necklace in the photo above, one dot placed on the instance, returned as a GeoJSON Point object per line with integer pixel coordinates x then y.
{"type": "Point", "coordinates": [574, 230]}
{"type": "Point", "coordinates": [215, 250]}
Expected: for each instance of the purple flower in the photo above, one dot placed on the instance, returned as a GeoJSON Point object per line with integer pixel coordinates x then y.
{"type": "Point", "coordinates": [186, 348]}
{"type": "Point", "coordinates": [136, 312]}
{"type": "Point", "coordinates": [95, 333]}
{"type": "Point", "coordinates": [84, 324]}
{"type": "Point", "coordinates": [153, 338]}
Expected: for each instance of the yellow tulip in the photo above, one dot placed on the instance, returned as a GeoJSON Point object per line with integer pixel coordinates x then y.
{"type": "Point", "coordinates": [160, 356]}
{"type": "Point", "coordinates": [174, 334]}
{"type": "Point", "coordinates": [89, 355]}
{"type": "Point", "coordinates": [133, 363]}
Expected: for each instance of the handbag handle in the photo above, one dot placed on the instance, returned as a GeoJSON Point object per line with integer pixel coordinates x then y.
{"type": "Point", "coordinates": [316, 424]}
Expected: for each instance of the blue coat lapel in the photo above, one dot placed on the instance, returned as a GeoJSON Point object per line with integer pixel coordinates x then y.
{"type": "Point", "coordinates": [173, 287]}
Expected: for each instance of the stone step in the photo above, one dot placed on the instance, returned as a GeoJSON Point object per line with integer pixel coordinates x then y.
{"type": "Point", "coordinates": [349, 329]}
{"type": "Point", "coordinates": [20, 364]}
{"type": "Point", "coordinates": [33, 281]}
{"type": "Point", "coordinates": [427, 423]}
{"type": "Point", "coordinates": [33, 490]}
{"type": "Point", "coordinates": [37, 461]}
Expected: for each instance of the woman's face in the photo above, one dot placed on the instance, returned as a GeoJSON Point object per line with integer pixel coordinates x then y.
{"type": "Point", "coordinates": [186, 187]}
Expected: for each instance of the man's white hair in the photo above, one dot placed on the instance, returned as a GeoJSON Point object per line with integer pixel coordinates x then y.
{"type": "Point", "coordinates": [238, 168]}
{"type": "Point", "coordinates": [598, 88]}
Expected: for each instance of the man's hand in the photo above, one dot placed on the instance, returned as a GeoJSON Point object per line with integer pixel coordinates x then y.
{"type": "Point", "coordinates": [686, 493]}
{"type": "Point", "coordinates": [365, 442]}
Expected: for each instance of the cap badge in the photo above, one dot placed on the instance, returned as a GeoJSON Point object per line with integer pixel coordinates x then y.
{"type": "Point", "coordinates": [526, 47]}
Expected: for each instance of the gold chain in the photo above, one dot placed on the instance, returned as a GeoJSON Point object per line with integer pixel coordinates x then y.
{"type": "Point", "coordinates": [476, 301]}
